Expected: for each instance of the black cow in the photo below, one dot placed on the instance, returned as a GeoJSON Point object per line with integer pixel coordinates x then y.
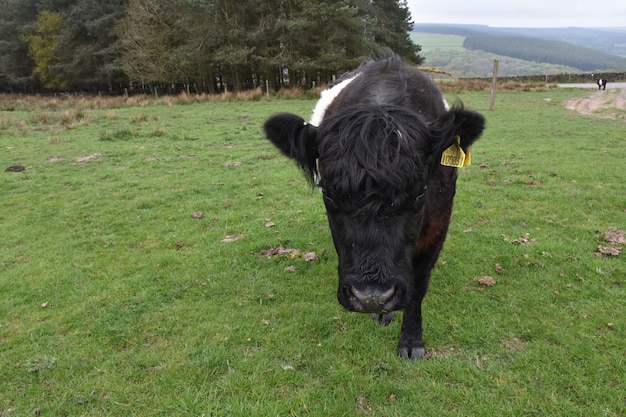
{"type": "Point", "coordinates": [377, 157]}
{"type": "Point", "coordinates": [602, 83]}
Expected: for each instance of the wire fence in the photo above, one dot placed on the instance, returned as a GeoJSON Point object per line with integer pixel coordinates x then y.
{"type": "Point", "coordinates": [267, 87]}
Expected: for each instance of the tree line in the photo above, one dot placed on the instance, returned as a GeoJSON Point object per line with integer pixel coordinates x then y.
{"type": "Point", "coordinates": [199, 45]}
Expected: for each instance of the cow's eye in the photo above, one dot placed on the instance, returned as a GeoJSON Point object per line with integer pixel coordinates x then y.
{"type": "Point", "coordinates": [328, 201]}
{"type": "Point", "coordinates": [419, 200]}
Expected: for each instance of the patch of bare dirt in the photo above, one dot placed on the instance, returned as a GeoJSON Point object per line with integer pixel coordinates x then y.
{"type": "Point", "coordinates": [606, 103]}
{"type": "Point", "coordinates": [87, 158]}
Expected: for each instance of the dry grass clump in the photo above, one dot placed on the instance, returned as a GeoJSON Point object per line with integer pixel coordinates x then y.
{"type": "Point", "coordinates": [526, 86]}
{"type": "Point", "coordinates": [143, 118]}
{"type": "Point", "coordinates": [158, 132]}
{"type": "Point", "coordinates": [70, 110]}
{"type": "Point", "coordinates": [256, 94]}
{"type": "Point", "coordinates": [68, 119]}
{"type": "Point", "coordinates": [290, 93]}
{"type": "Point", "coordinates": [464, 86]}
{"type": "Point", "coordinates": [73, 118]}
{"type": "Point", "coordinates": [478, 85]}
{"type": "Point", "coordinates": [316, 92]}
{"type": "Point", "coordinates": [46, 106]}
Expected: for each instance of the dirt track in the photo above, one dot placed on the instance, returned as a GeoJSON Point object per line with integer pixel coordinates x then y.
{"type": "Point", "coordinates": [606, 103]}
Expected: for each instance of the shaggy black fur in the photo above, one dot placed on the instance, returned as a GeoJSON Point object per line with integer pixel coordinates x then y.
{"type": "Point", "coordinates": [376, 155]}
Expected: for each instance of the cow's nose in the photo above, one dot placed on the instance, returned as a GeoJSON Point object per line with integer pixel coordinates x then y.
{"type": "Point", "coordinates": [372, 299]}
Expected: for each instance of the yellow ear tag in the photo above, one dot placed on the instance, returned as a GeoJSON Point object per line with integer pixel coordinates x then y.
{"type": "Point", "coordinates": [468, 159]}
{"type": "Point", "coordinates": [455, 157]}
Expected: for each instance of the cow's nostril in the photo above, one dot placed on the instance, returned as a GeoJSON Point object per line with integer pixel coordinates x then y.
{"type": "Point", "coordinates": [371, 299]}
{"type": "Point", "coordinates": [347, 291]}
{"type": "Point", "coordinates": [366, 295]}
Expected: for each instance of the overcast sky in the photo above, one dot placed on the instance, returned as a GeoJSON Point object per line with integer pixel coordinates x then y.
{"type": "Point", "coordinates": [521, 13]}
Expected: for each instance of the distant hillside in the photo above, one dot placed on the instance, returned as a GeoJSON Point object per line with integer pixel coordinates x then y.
{"type": "Point", "coordinates": [446, 52]}
{"type": "Point", "coordinates": [611, 41]}
{"type": "Point", "coordinates": [451, 29]}
{"type": "Point", "coordinates": [463, 49]}
{"type": "Point", "coordinates": [541, 50]}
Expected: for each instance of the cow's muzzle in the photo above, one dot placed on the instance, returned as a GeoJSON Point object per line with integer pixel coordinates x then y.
{"type": "Point", "coordinates": [371, 298]}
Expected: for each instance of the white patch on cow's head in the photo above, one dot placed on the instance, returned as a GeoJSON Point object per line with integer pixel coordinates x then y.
{"type": "Point", "coordinates": [446, 105]}
{"type": "Point", "coordinates": [327, 97]}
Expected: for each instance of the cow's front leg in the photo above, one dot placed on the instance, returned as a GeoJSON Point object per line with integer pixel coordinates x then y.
{"type": "Point", "coordinates": [411, 345]}
{"type": "Point", "coordinates": [429, 244]}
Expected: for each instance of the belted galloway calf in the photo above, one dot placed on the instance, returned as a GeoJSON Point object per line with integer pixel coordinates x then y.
{"type": "Point", "coordinates": [384, 148]}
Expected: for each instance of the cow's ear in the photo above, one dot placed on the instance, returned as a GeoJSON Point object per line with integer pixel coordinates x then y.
{"type": "Point", "coordinates": [466, 124]}
{"type": "Point", "coordinates": [296, 139]}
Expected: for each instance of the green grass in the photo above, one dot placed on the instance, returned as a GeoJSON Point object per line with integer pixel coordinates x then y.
{"type": "Point", "coordinates": [117, 301]}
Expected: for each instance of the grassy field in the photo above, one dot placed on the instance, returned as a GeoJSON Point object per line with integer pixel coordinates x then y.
{"type": "Point", "coordinates": [432, 41]}
{"type": "Point", "coordinates": [135, 278]}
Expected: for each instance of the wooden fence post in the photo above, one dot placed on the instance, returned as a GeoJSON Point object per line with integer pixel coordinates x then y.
{"type": "Point", "coordinates": [494, 81]}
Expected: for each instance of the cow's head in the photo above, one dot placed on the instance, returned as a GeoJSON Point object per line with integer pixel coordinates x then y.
{"type": "Point", "coordinates": [373, 164]}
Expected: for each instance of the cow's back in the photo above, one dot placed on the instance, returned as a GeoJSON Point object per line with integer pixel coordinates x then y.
{"type": "Point", "coordinates": [391, 81]}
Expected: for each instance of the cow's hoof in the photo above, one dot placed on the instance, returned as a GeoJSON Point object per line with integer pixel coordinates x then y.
{"type": "Point", "coordinates": [383, 319]}
{"type": "Point", "coordinates": [411, 353]}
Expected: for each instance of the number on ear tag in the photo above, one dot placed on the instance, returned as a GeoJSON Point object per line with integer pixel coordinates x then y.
{"type": "Point", "coordinates": [455, 157]}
